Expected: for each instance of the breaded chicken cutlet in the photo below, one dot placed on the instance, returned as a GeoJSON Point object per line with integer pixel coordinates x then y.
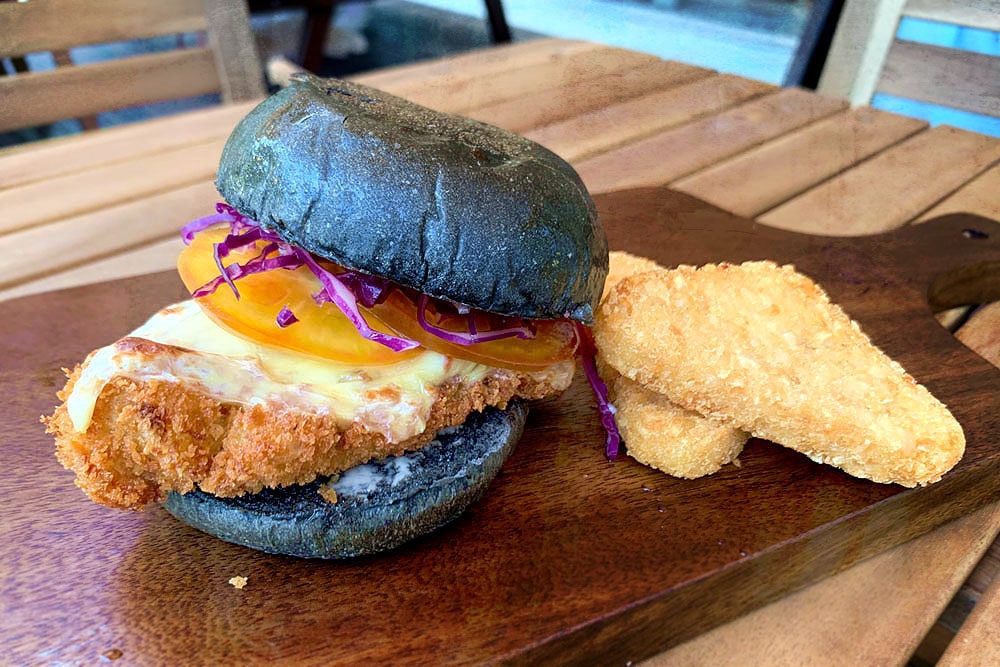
{"type": "Point", "coordinates": [760, 348]}
{"type": "Point", "coordinates": [657, 432]}
{"type": "Point", "coordinates": [147, 435]}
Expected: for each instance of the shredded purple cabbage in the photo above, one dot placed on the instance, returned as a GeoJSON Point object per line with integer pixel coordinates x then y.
{"type": "Point", "coordinates": [286, 317]}
{"type": "Point", "coordinates": [337, 293]}
{"type": "Point", "coordinates": [344, 290]}
{"type": "Point", "coordinates": [244, 232]}
{"type": "Point", "coordinates": [587, 353]}
{"type": "Point", "coordinates": [369, 290]}
{"type": "Point", "coordinates": [521, 330]}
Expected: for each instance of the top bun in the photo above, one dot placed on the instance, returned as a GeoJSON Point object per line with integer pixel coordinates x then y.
{"type": "Point", "coordinates": [452, 207]}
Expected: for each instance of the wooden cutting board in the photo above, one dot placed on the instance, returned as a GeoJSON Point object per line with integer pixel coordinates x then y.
{"type": "Point", "coordinates": [567, 559]}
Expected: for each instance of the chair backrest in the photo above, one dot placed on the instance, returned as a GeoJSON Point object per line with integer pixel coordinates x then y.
{"type": "Point", "coordinates": [228, 64]}
{"type": "Point", "coordinates": [866, 57]}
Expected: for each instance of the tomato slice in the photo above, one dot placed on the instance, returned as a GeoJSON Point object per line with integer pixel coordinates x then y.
{"type": "Point", "coordinates": [324, 331]}
{"type": "Point", "coordinates": [554, 340]}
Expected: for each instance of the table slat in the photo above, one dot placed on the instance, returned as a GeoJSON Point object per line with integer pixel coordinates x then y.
{"type": "Point", "coordinates": [41, 161]}
{"type": "Point", "coordinates": [38, 251]}
{"type": "Point", "coordinates": [480, 62]}
{"type": "Point", "coordinates": [157, 256]}
{"type": "Point", "coordinates": [582, 136]}
{"type": "Point", "coordinates": [893, 187]}
{"type": "Point", "coordinates": [827, 623]}
{"type": "Point", "coordinates": [762, 178]}
{"type": "Point", "coordinates": [572, 99]}
{"type": "Point", "coordinates": [979, 196]}
{"type": "Point", "coordinates": [95, 189]}
{"type": "Point", "coordinates": [468, 89]}
{"type": "Point", "coordinates": [680, 151]}
{"type": "Point", "coordinates": [980, 332]}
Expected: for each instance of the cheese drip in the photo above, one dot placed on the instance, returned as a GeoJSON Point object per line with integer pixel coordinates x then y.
{"type": "Point", "coordinates": [394, 400]}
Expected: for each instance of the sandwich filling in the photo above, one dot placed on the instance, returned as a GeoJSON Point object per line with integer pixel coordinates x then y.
{"type": "Point", "coordinates": [303, 369]}
{"type": "Point", "coordinates": [182, 403]}
{"type": "Point", "coordinates": [392, 400]}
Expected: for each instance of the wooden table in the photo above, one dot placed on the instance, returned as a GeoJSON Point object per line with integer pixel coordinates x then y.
{"type": "Point", "coordinates": [108, 204]}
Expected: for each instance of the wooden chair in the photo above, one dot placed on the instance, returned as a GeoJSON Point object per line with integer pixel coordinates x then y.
{"type": "Point", "coordinates": [865, 56]}
{"type": "Point", "coordinates": [228, 65]}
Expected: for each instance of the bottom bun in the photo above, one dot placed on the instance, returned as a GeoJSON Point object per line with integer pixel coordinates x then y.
{"type": "Point", "coordinates": [379, 505]}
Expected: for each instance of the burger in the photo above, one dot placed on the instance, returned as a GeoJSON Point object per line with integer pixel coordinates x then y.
{"type": "Point", "coordinates": [381, 291]}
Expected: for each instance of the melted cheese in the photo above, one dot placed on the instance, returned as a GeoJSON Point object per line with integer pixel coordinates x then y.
{"type": "Point", "coordinates": [394, 400]}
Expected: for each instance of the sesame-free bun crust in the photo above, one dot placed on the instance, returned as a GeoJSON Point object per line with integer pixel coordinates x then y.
{"type": "Point", "coordinates": [447, 205]}
{"type": "Point", "coordinates": [384, 504]}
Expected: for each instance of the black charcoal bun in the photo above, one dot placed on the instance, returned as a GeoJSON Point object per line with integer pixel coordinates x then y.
{"type": "Point", "coordinates": [450, 206]}
{"type": "Point", "coordinates": [380, 505]}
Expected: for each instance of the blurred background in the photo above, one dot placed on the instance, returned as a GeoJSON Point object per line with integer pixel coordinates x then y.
{"type": "Point", "coordinates": [760, 39]}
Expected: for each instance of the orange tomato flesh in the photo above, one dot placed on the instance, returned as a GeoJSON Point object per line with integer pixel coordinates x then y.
{"type": "Point", "coordinates": [554, 340]}
{"type": "Point", "coordinates": [324, 331]}
{"type": "Point", "coordinates": [321, 331]}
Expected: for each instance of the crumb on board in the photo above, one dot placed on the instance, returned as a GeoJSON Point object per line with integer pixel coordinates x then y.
{"type": "Point", "coordinates": [238, 582]}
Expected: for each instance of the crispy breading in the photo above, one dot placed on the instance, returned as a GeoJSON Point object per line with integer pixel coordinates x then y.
{"type": "Point", "coordinates": [150, 437]}
{"type": "Point", "coordinates": [657, 432]}
{"type": "Point", "coordinates": [761, 348]}
{"type": "Point", "coordinates": [662, 435]}
{"type": "Point", "coordinates": [621, 265]}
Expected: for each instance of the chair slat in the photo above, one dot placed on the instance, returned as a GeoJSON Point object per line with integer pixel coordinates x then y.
{"type": "Point", "coordinates": [864, 35]}
{"type": "Point", "coordinates": [73, 92]}
{"type": "Point", "coordinates": [983, 14]}
{"type": "Point", "coordinates": [235, 50]}
{"type": "Point", "coordinates": [949, 77]}
{"type": "Point", "coordinates": [59, 25]}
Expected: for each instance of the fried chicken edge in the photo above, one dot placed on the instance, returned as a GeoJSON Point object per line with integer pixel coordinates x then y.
{"type": "Point", "coordinates": [150, 437]}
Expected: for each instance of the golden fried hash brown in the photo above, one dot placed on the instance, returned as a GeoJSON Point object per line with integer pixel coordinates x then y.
{"type": "Point", "coordinates": [657, 432]}
{"type": "Point", "coordinates": [761, 348]}
{"type": "Point", "coordinates": [621, 265]}
{"type": "Point", "coordinates": [662, 435]}
{"type": "Point", "coordinates": [150, 437]}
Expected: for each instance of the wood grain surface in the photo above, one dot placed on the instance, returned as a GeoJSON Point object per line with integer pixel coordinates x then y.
{"type": "Point", "coordinates": [898, 592]}
{"type": "Point", "coordinates": [566, 558]}
{"type": "Point", "coordinates": [682, 150]}
{"type": "Point", "coordinates": [977, 643]}
{"type": "Point", "coordinates": [759, 179]}
{"type": "Point", "coordinates": [847, 204]}
{"type": "Point", "coordinates": [112, 84]}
